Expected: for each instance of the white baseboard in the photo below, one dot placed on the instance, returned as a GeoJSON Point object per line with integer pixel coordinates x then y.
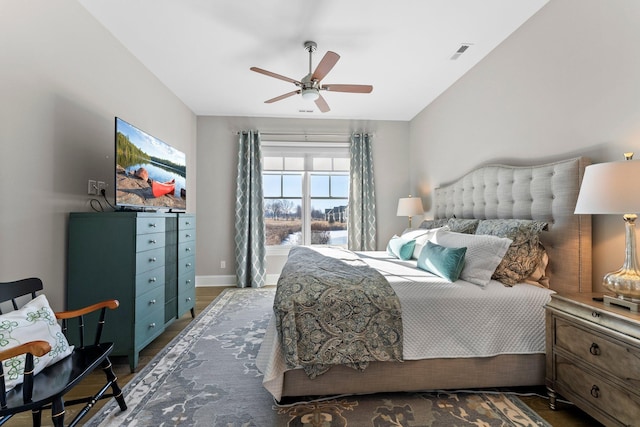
{"type": "Point", "coordinates": [228, 280]}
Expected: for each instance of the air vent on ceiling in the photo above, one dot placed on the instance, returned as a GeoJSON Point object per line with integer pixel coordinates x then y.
{"type": "Point", "coordinates": [463, 47]}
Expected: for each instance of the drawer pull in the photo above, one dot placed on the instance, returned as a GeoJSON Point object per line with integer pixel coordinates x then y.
{"type": "Point", "coordinates": [187, 249]}
{"type": "Point", "coordinates": [595, 350]}
{"type": "Point", "coordinates": [152, 224]}
{"type": "Point", "coordinates": [152, 279]}
{"type": "Point", "coordinates": [595, 391]}
{"type": "Point", "coordinates": [152, 242]}
{"type": "Point", "coordinates": [153, 325]}
{"type": "Point", "coordinates": [188, 299]}
{"type": "Point", "coordinates": [595, 314]}
{"type": "Point", "coordinates": [152, 259]}
{"type": "Point", "coordinates": [188, 264]}
{"type": "Point", "coordinates": [152, 302]}
{"type": "Point", "coordinates": [187, 235]}
{"type": "Point", "coordinates": [188, 281]}
{"type": "Point", "coordinates": [187, 222]}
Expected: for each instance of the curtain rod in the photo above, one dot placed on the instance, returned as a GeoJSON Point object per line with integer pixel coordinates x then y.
{"type": "Point", "coordinates": [305, 134]}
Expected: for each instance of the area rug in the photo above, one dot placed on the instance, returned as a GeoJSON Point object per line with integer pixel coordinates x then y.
{"type": "Point", "coordinates": [207, 377]}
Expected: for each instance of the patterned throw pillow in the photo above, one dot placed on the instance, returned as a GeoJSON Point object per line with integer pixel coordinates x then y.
{"type": "Point", "coordinates": [433, 223]}
{"type": "Point", "coordinates": [34, 321]}
{"type": "Point", "coordinates": [524, 254]}
{"type": "Point", "coordinates": [461, 225]}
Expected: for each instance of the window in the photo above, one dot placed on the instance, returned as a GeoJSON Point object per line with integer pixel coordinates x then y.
{"type": "Point", "coordinates": [306, 194]}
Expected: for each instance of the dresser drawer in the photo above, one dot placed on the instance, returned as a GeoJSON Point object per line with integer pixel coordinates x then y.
{"type": "Point", "coordinates": [150, 280]}
{"type": "Point", "coordinates": [188, 235]}
{"type": "Point", "coordinates": [186, 249]}
{"type": "Point", "coordinates": [186, 265]}
{"type": "Point", "coordinates": [145, 225]}
{"type": "Point", "coordinates": [145, 242]}
{"type": "Point", "coordinates": [149, 327]}
{"type": "Point", "coordinates": [598, 392]}
{"type": "Point", "coordinates": [150, 302]}
{"type": "Point", "coordinates": [148, 260]}
{"type": "Point", "coordinates": [186, 222]}
{"type": "Point", "coordinates": [620, 360]}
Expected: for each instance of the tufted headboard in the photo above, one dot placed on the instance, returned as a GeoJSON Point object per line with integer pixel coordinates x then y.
{"type": "Point", "coordinates": [546, 193]}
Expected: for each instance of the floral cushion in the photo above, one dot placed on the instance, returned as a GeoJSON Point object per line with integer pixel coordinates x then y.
{"type": "Point", "coordinates": [460, 225]}
{"type": "Point", "coordinates": [433, 223]}
{"type": "Point", "coordinates": [525, 252]}
{"type": "Point", "coordinates": [34, 321]}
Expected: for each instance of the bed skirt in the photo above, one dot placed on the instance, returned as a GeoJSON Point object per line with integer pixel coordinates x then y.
{"type": "Point", "coordinates": [415, 375]}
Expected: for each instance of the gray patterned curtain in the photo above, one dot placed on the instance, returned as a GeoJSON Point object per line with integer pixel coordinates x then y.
{"type": "Point", "coordinates": [249, 237]}
{"type": "Point", "coordinates": [362, 200]}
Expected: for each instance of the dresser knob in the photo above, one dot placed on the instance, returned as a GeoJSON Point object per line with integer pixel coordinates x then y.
{"type": "Point", "coordinates": [595, 314]}
{"type": "Point", "coordinates": [187, 249]}
{"type": "Point", "coordinates": [152, 242]}
{"type": "Point", "coordinates": [153, 325]}
{"type": "Point", "coordinates": [188, 235]}
{"type": "Point", "coordinates": [152, 259]}
{"type": "Point", "coordinates": [595, 391]}
{"type": "Point", "coordinates": [188, 299]}
{"type": "Point", "coordinates": [153, 279]}
{"type": "Point", "coordinates": [152, 302]}
{"type": "Point", "coordinates": [152, 224]}
{"type": "Point", "coordinates": [595, 350]}
{"type": "Point", "coordinates": [188, 264]}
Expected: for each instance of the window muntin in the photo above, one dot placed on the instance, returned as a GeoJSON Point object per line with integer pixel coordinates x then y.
{"type": "Point", "coordinates": [310, 206]}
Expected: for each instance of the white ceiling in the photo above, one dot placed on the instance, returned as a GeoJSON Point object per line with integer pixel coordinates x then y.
{"type": "Point", "coordinates": [202, 49]}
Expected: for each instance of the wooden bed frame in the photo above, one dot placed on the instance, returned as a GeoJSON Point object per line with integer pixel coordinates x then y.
{"type": "Point", "coordinates": [544, 192]}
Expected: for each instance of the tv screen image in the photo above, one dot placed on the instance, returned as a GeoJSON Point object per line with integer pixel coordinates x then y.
{"type": "Point", "coordinates": [149, 172]}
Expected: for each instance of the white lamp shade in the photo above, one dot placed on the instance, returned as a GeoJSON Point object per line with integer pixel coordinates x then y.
{"type": "Point", "coordinates": [610, 188]}
{"type": "Point", "coordinates": [410, 206]}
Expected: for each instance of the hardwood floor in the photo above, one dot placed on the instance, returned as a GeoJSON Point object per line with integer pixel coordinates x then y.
{"type": "Point", "coordinates": [565, 416]}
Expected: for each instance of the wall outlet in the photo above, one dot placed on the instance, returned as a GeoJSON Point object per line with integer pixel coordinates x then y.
{"type": "Point", "coordinates": [92, 187]}
{"type": "Point", "coordinates": [101, 186]}
{"type": "Point", "coordinates": [223, 264]}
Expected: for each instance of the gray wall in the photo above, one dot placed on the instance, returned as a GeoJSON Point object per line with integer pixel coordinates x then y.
{"type": "Point", "coordinates": [565, 84]}
{"type": "Point", "coordinates": [217, 161]}
{"type": "Point", "coordinates": [63, 78]}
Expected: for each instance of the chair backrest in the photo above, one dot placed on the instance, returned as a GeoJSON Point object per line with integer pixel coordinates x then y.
{"type": "Point", "coordinates": [10, 291]}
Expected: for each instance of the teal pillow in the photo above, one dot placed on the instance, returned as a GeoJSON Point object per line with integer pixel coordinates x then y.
{"type": "Point", "coordinates": [442, 261]}
{"type": "Point", "coordinates": [401, 248]}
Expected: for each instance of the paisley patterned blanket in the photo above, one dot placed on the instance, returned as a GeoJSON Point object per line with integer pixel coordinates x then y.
{"type": "Point", "coordinates": [335, 310]}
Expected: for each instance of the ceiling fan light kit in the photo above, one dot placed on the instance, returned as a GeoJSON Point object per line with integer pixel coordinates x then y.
{"type": "Point", "coordinates": [309, 86]}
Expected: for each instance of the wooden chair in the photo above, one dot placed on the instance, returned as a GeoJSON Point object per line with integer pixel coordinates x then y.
{"type": "Point", "coordinates": [45, 390]}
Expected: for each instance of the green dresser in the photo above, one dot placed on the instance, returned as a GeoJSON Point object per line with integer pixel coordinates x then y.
{"type": "Point", "coordinates": [186, 263]}
{"type": "Point", "coordinates": [137, 259]}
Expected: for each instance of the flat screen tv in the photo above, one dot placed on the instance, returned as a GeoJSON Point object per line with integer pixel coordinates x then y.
{"type": "Point", "coordinates": [150, 174]}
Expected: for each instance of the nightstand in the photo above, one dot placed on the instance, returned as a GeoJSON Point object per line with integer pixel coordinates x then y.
{"type": "Point", "coordinates": [593, 357]}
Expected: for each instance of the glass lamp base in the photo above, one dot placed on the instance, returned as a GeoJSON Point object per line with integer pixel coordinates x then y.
{"type": "Point", "coordinates": [624, 283]}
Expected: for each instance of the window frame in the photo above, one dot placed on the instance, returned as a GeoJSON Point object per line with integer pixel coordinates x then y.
{"type": "Point", "coordinates": [308, 151]}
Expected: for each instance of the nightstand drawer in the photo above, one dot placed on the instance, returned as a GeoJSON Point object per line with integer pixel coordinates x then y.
{"type": "Point", "coordinates": [619, 360]}
{"type": "Point", "coordinates": [598, 392]}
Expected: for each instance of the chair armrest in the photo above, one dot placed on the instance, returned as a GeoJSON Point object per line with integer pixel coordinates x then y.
{"type": "Point", "coordinates": [37, 348]}
{"type": "Point", "coordinates": [111, 304]}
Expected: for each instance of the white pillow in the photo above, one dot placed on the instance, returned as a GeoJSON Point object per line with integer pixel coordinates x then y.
{"type": "Point", "coordinates": [484, 253]}
{"type": "Point", "coordinates": [423, 238]}
{"type": "Point", "coordinates": [33, 321]}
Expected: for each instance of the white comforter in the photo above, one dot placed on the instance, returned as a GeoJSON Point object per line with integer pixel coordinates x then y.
{"type": "Point", "coordinates": [441, 319]}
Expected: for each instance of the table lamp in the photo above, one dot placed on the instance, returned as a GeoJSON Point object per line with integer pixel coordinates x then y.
{"type": "Point", "coordinates": [614, 188]}
{"type": "Point", "coordinates": [409, 206]}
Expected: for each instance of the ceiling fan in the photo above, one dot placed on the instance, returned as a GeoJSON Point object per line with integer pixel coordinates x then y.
{"type": "Point", "coordinates": [309, 86]}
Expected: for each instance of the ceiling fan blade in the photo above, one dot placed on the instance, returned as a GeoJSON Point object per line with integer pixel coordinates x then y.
{"type": "Point", "coordinates": [348, 88]}
{"type": "Point", "coordinates": [322, 104]}
{"type": "Point", "coordinates": [277, 76]}
{"type": "Point", "coordinates": [278, 98]}
{"type": "Point", "coordinates": [325, 65]}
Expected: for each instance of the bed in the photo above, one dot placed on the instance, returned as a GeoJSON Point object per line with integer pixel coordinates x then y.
{"type": "Point", "coordinates": [542, 193]}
